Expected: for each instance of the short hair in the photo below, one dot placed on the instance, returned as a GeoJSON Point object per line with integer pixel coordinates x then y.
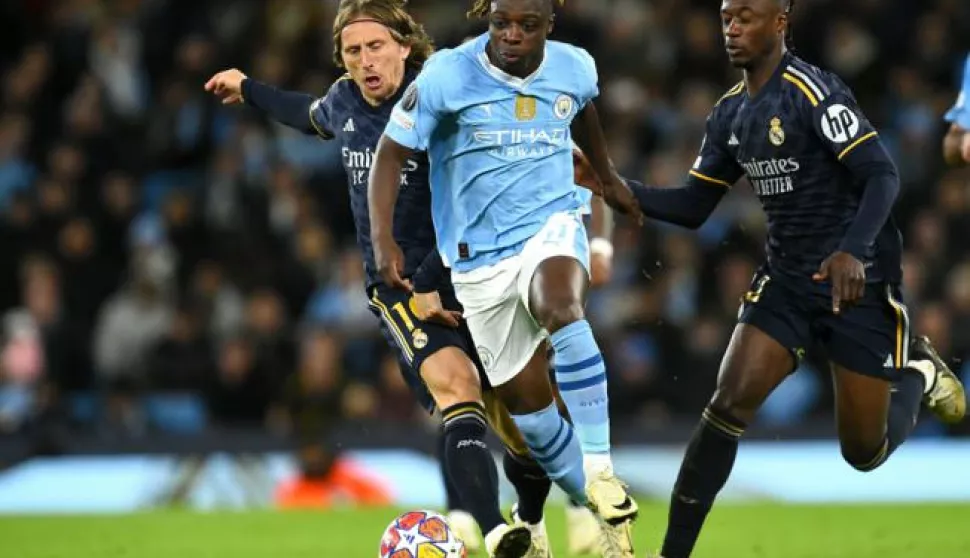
{"type": "Point", "coordinates": [481, 7]}
{"type": "Point", "coordinates": [391, 14]}
{"type": "Point", "coordinates": [788, 6]}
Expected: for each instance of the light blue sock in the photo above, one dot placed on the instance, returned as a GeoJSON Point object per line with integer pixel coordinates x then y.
{"type": "Point", "coordinates": [555, 448]}
{"type": "Point", "coordinates": [581, 376]}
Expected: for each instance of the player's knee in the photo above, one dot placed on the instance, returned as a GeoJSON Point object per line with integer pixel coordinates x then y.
{"type": "Point", "coordinates": [559, 312]}
{"type": "Point", "coordinates": [451, 379]}
{"type": "Point", "coordinates": [863, 457]}
{"type": "Point", "coordinates": [738, 401]}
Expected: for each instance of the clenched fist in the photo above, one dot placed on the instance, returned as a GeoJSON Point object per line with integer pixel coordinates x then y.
{"type": "Point", "coordinates": [227, 85]}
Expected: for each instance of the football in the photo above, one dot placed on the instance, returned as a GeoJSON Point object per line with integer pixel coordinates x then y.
{"type": "Point", "coordinates": [420, 534]}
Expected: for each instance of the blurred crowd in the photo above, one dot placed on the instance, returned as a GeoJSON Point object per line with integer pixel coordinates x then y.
{"type": "Point", "coordinates": [170, 263]}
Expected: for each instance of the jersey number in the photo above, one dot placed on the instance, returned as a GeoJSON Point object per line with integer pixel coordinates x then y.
{"type": "Point", "coordinates": [399, 308]}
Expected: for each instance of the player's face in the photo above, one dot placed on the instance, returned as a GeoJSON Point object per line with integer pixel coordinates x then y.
{"type": "Point", "coordinates": [752, 29]}
{"type": "Point", "coordinates": [373, 58]}
{"type": "Point", "coordinates": [517, 34]}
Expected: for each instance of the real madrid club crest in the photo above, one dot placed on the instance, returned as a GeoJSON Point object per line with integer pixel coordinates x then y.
{"type": "Point", "coordinates": [525, 107]}
{"type": "Point", "coordinates": [563, 107]}
{"type": "Point", "coordinates": [419, 338]}
{"type": "Point", "coordinates": [776, 135]}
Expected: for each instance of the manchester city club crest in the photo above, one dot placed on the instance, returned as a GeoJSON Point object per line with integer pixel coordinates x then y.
{"type": "Point", "coordinates": [776, 135]}
{"type": "Point", "coordinates": [563, 107]}
{"type": "Point", "coordinates": [486, 358]}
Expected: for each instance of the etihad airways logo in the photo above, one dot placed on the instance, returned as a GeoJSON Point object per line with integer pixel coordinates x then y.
{"type": "Point", "coordinates": [523, 143]}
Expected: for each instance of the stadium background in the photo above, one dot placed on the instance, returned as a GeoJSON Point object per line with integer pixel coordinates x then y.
{"type": "Point", "coordinates": [181, 294]}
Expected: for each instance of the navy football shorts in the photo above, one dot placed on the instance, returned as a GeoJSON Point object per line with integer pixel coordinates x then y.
{"type": "Point", "coordinates": [870, 337]}
{"type": "Point", "coordinates": [414, 340]}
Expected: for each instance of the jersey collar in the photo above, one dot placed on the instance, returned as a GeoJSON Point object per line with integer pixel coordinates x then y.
{"type": "Point", "coordinates": [774, 82]}
{"type": "Point", "coordinates": [499, 74]}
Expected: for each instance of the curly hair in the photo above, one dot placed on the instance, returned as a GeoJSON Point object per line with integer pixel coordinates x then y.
{"type": "Point", "coordinates": [391, 14]}
{"type": "Point", "coordinates": [481, 7]}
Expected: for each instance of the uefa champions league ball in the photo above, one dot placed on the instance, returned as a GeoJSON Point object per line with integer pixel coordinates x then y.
{"type": "Point", "coordinates": [420, 534]}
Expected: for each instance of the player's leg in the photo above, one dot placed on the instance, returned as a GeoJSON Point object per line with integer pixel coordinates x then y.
{"type": "Point", "coordinates": [879, 385]}
{"type": "Point", "coordinates": [755, 363]}
{"type": "Point", "coordinates": [556, 298]}
{"type": "Point", "coordinates": [583, 532]}
{"type": "Point", "coordinates": [553, 286]}
{"type": "Point", "coordinates": [526, 475]}
{"type": "Point", "coordinates": [453, 381]}
{"type": "Point", "coordinates": [462, 522]}
{"type": "Point", "coordinates": [875, 416]}
{"type": "Point", "coordinates": [512, 351]}
{"type": "Point", "coordinates": [550, 438]}
{"type": "Point", "coordinates": [761, 354]}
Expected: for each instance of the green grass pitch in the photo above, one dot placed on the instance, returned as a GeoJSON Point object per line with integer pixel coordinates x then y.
{"type": "Point", "coordinates": [733, 531]}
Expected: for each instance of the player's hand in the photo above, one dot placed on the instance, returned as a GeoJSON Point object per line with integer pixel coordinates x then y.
{"type": "Point", "coordinates": [227, 85]}
{"type": "Point", "coordinates": [428, 308]}
{"type": "Point", "coordinates": [847, 276]}
{"type": "Point", "coordinates": [619, 196]}
{"type": "Point", "coordinates": [390, 263]}
{"type": "Point", "coordinates": [583, 173]}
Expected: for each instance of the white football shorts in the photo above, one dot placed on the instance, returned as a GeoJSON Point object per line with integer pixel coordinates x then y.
{"type": "Point", "coordinates": [496, 297]}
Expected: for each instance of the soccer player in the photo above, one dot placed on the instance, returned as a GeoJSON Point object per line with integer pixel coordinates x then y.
{"type": "Point", "coordinates": [382, 49]}
{"type": "Point", "coordinates": [494, 116]}
{"type": "Point", "coordinates": [956, 144]}
{"type": "Point", "coordinates": [527, 477]}
{"type": "Point", "coordinates": [833, 270]}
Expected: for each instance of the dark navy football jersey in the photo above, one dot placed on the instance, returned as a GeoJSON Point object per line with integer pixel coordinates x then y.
{"type": "Point", "coordinates": [792, 140]}
{"type": "Point", "coordinates": [343, 114]}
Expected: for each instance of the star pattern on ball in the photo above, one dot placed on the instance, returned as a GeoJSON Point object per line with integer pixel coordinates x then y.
{"type": "Point", "coordinates": [411, 539]}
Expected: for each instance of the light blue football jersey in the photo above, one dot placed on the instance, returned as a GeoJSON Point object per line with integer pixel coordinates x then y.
{"type": "Point", "coordinates": [959, 114]}
{"type": "Point", "coordinates": [585, 200]}
{"type": "Point", "coordinates": [499, 146]}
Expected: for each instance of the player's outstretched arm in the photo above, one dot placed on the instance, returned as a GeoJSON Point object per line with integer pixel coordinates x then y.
{"type": "Point", "coordinates": [290, 108]}
{"type": "Point", "coordinates": [714, 172]}
{"type": "Point", "coordinates": [588, 134]}
{"type": "Point", "coordinates": [687, 206]}
{"type": "Point", "coordinates": [382, 190]}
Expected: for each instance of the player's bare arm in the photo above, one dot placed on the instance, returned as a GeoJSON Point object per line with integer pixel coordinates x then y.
{"type": "Point", "coordinates": [588, 134]}
{"type": "Point", "coordinates": [382, 190]}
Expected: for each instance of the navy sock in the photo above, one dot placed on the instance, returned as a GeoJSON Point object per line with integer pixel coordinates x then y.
{"type": "Point", "coordinates": [531, 485]}
{"type": "Point", "coordinates": [706, 467]}
{"type": "Point", "coordinates": [470, 464]}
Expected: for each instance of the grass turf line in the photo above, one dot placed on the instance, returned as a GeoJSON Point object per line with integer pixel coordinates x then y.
{"type": "Point", "coordinates": [733, 531]}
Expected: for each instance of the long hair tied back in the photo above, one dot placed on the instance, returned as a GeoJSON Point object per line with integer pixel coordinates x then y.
{"type": "Point", "coordinates": [481, 7]}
